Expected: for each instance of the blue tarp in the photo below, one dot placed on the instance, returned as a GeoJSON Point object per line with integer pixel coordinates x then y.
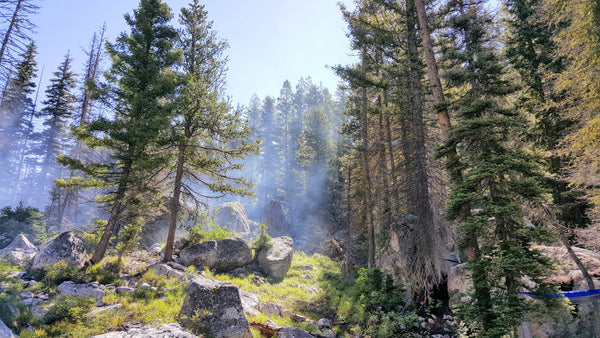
{"type": "Point", "coordinates": [576, 297]}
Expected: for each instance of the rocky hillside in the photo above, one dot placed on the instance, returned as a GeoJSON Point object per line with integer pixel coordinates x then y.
{"type": "Point", "coordinates": [222, 289]}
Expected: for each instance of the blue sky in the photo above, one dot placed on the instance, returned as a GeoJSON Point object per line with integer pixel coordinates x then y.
{"type": "Point", "coordinates": [270, 40]}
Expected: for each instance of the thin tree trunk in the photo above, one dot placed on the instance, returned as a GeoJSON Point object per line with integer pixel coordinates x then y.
{"type": "Point", "coordinates": [114, 215]}
{"type": "Point", "coordinates": [367, 178]}
{"type": "Point", "coordinates": [12, 24]}
{"type": "Point", "coordinates": [175, 204]}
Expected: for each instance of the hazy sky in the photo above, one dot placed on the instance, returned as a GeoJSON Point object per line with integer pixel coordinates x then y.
{"type": "Point", "coordinates": [270, 40]}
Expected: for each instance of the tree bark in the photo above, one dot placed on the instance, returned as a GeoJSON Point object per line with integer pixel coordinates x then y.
{"type": "Point", "coordinates": [432, 70]}
{"type": "Point", "coordinates": [367, 178]}
{"type": "Point", "coordinates": [175, 206]}
{"type": "Point", "coordinates": [114, 215]}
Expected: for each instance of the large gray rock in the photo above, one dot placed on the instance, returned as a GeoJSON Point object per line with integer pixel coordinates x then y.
{"type": "Point", "coordinates": [276, 261]}
{"type": "Point", "coordinates": [233, 216]}
{"type": "Point", "coordinates": [5, 332]}
{"type": "Point", "coordinates": [214, 308]}
{"type": "Point", "coordinates": [172, 330]}
{"type": "Point", "coordinates": [19, 250]}
{"type": "Point", "coordinates": [223, 255]}
{"type": "Point", "coordinates": [66, 247]}
{"type": "Point", "coordinates": [275, 220]}
{"type": "Point", "coordinates": [91, 290]}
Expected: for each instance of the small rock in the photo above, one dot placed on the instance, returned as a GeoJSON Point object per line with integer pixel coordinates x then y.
{"type": "Point", "coordinates": [431, 321]}
{"type": "Point", "coordinates": [103, 309]}
{"type": "Point", "coordinates": [31, 301]}
{"type": "Point", "coordinates": [144, 285]}
{"type": "Point", "coordinates": [124, 289]}
{"type": "Point", "coordinates": [287, 313]}
{"type": "Point", "coordinates": [292, 332]}
{"type": "Point", "coordinates": [299, 318]}
{"type": "Point", "coordinates": [421, 319]}
{"type": "Point", "coordinates": [30, 283]}
{"type": "Point", "coordinates": [330, 334]}
{"type": "Point", "coordinates": [26, 294]}
{"type": "Point", "coordinates": [324, 323]}
{"type": "Point", "coordinates": [447, 317]}
{"type": "Point", "coordinates": [270, 308]}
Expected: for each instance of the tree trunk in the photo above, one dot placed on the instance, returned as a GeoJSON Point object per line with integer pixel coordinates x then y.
{"type": "Point", "coordinates": [426, 237]}
{"type": "Point", "coordinates": [12, 24]}
{"type": "Point", "coordinates": [175, 204]}
{"type": "Point", "coordinates": [432, 70]}
{"type": "Point", "coordinates": [367, 178]}
{"type": "Point", "coordinates": [114, 215]}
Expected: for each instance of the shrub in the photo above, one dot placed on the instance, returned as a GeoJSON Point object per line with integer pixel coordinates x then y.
{"type": "Point", "coordinates": [262, 241]}
{"type": "Point", "coordinates": [62, 272]}
{"type": "Point", "coordinates": [208, 230]}
{"type": "Point", "coordinates": [69, 308]}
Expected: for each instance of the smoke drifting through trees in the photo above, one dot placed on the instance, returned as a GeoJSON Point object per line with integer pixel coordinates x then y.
{"type": "Point", "coordinates": [299, 131]}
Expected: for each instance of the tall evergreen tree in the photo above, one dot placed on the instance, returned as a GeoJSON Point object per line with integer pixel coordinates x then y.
{"type": "Point", "coordinates": [499, 176]}
{"type": "Point", "coordinates": [209, 138]}
{"type": "Point", "coordinates": [15, 121]}
{"type": "Point", "coordinates": [141, 86]}
{"type": "Point", "coordinates": [59, 107]}
{"type": "Point", "coordinates": [15, 35]}
{"type": "Point", "coordinates": [531, 51]}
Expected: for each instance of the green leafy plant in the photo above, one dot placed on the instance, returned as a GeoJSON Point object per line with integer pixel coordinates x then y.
{"type": "Point", "coordinates": [69, 308]}
{"type": "Point", "coordinates": [208, 229]}
{"type": "Point", "coordinates": [263, 241]}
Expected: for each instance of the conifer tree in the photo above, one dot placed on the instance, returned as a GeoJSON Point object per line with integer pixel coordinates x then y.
{"type": "Point", "coordinates": [59, 107]}
{"type": "Point", "coordinates": [141, 86]}
{"type": "Point", "coordinates": [15, 121]}
{"type": "Point", "coordinates": [15, 36]}
{"type": "Point", "coordinates": [530, 49]}
{"type": "Point", "coordinates": [209, 139]}
{"type": "Point", "coordinates": [499, 176]}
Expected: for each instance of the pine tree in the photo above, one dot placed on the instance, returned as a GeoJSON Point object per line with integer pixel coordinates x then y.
{"type": "Point", "coordinates": [16, 109]}
{"type": "Point", "coordinates": [209, 139]}
{"type": "Point", "coordinates": [15, 37]}
{"type": "Point", "coordinates": [59, 107]}
{"type": "Point", "coordinates": [141, 86]}
{"type": "Point", "coordinates": [499, 176]}
{"type": "Point", "coordinates": [530, 49]}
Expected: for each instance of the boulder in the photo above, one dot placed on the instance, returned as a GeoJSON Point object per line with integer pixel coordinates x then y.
{"type": "Point", "coordinates": [233, 216]}
{"type": "Point", "coordinates": [568, 269]}
{"type": "Point", "coordinates": [5, 331]}
{"type": "Point", "coordinates": [459, 282]}
{"type": "Point", "coordinates": [222, 255]}
{"type": "Point", "coordinates": [66, 247]}
{"type": "Point", "coordinates": [214, 308]}
{"type": "Point", "coordinates": [91, 290]}
{"type": "Point", "coordinates": [19, 250]}
{"type": "Point", "coordinates": [292, 332]}
{"type": "Point", "coordinates": [172, 330]}
{"type": "Point", "coordinates": [276, 261]}
{"type": "Point", "coordinates": [169, 270]}
{"type": "Point", "coordinates": [275, 220]}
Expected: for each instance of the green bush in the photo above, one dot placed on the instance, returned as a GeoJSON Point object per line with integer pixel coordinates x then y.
{"type": "Point", "coordinates": [69, 308]}
{"type": "Point", "coordinates": [62, 272]}
{"type": "Point", "coordinates": [208, 230]}
{"type": "Point", "coordinates": [262, 241]}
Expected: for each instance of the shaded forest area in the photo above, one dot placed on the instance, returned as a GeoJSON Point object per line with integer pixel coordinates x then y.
{"type": "Point", "coordinates": [460, 135]}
